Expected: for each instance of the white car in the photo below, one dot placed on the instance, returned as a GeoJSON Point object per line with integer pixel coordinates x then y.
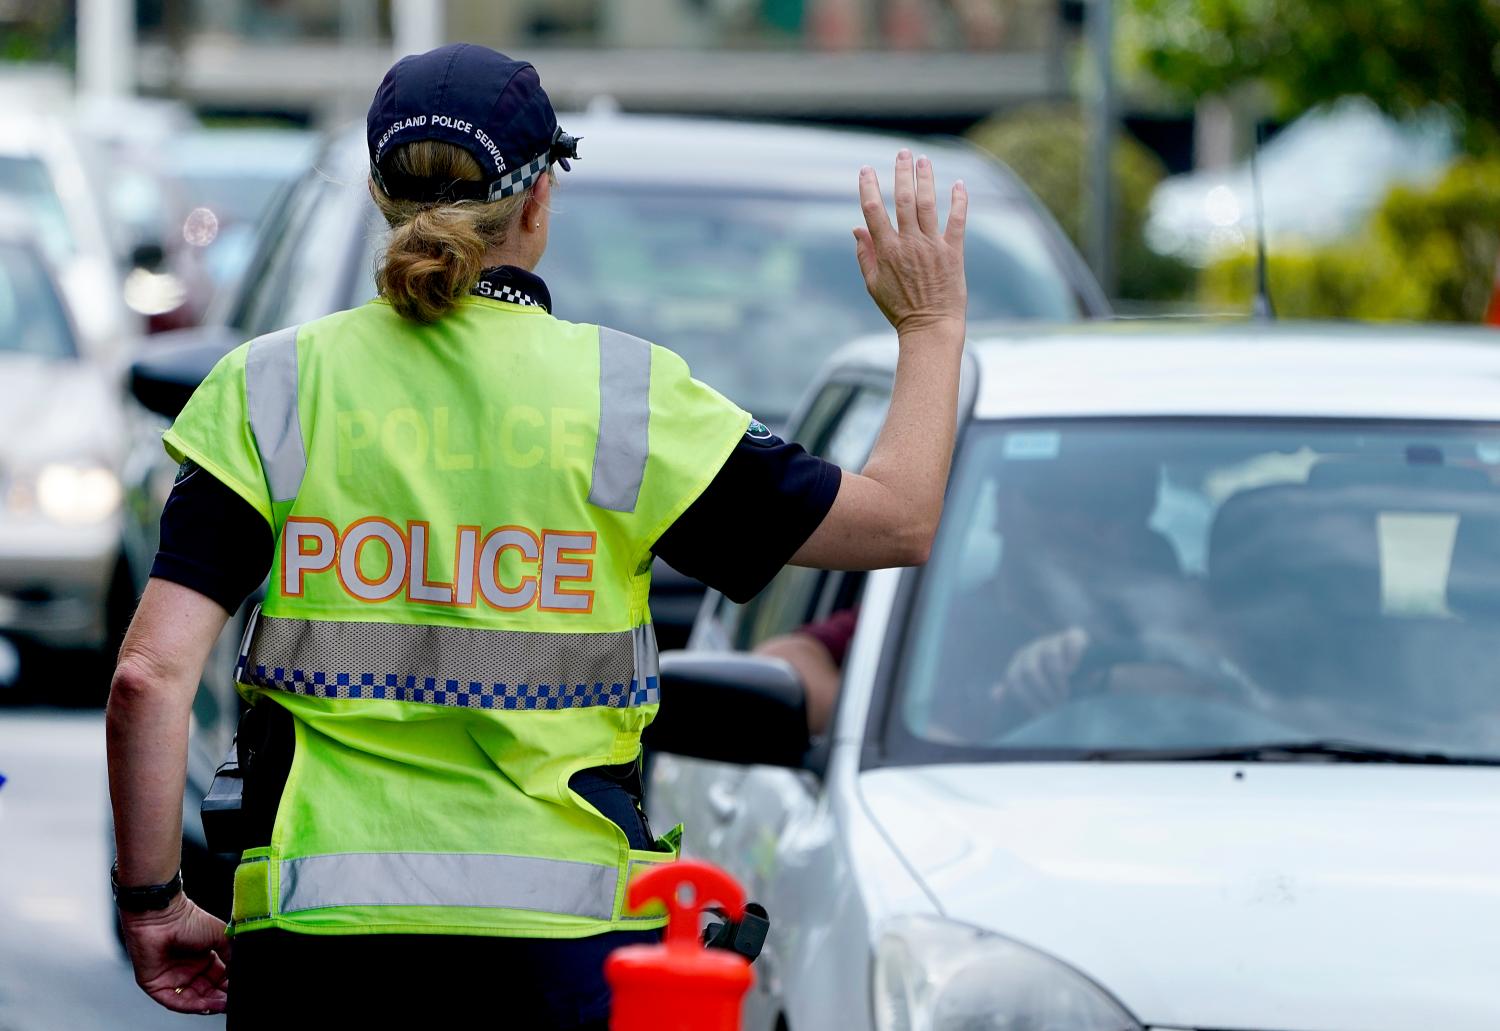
{"type": "Point", "coordinates": [62, 431]}
{"type": "Point", "coordinates": [45, 170]}
{"type": "Point", "coordinates": [1191, 721]}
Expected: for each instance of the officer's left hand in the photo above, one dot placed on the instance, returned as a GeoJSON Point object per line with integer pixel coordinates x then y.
{"type": "Point", "coordinates": [179, 955]}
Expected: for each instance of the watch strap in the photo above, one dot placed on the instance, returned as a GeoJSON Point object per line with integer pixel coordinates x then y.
{"type": "Point", "coordinates": [144, 898]}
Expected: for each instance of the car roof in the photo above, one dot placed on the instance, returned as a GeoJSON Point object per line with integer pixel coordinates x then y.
{"type": "Point", "coordinates": [250, 152]}
{"type": "Point", "coordinates": [740, 155]}
{"type": "Point", "coordinates": [1227, 368]}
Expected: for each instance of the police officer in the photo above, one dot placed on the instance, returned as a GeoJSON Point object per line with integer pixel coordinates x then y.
{"type": "Point", "coordinates": [458, 497]}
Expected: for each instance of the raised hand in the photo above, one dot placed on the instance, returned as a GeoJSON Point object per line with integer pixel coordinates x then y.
{"type": "Point", "coordinates": [914, 270]}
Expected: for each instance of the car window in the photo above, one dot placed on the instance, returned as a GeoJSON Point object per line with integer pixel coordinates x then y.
{"type": "Point", "coordinates": [260, 296]}
{"type": "Point", "coordinates": [1101, 586]}
{"type": "Point", "coordinates": [31, 316]}
{"type": "Point", "coordinates": [756, 291]}
{"type": "Point", "coordinates": [306, 256]}
{"type": "Point", "coordinates": [26, 182]}
{"type": "Point", "coordinates": [842, 426]}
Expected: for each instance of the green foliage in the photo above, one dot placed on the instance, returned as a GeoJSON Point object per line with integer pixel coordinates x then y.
{"type": "Point", "coordinates": [1427, 254]}
{"type": "Point", "coordinates": [1404, 54]}
{"type": "Point", "coordinates": [1046, 148]}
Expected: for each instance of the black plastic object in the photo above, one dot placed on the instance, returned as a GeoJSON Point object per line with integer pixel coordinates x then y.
{"type": "Point", "coordinates": [223, 808]}
{"type": "Point", "coordinates": [173, 365]}
{"type": "Point", "coordinates": [745, 936]}
{"type": "Point", "coordinates": [730, 707]}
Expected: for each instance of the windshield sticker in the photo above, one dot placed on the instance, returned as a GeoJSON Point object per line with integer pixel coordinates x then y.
{"type": "Point", "coordinates": [1032, 446]}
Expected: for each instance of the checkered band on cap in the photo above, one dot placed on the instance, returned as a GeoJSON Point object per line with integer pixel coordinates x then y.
{"type": "Point", "coordinates": [519, 179]}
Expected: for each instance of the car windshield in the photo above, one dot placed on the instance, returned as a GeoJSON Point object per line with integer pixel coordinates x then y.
{"type": "Point", "coordinates": [1186, 589]}
{"type": "Point", "coordinates": [31, 316]}
{"type": "Point", "coordinates": [756, 291]}
{"type": "Point", "coordinates": [26, 182]}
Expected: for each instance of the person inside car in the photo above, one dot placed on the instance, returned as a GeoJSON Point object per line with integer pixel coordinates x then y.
{"type": "Point", "coordinates": [1080, 566]}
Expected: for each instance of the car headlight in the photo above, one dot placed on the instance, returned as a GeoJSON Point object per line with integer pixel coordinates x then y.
{"type": "Point", "coordinates": [76, 494]}
{"type": "Point", "coordinates": [935, 975]}
{"type": "Point", "coordinates": [154, 293]}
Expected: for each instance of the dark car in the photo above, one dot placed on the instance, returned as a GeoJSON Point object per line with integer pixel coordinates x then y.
{"type": "Point", "coordinates": [729, 243]}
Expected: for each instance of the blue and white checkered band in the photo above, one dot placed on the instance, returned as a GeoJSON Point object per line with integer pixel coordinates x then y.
{"type": "Point", "coordinates": [514, 286]}
{"type": "Point", "coordinates": [519, 179]}
{"type": "Point", "coordinates": [466, 667]}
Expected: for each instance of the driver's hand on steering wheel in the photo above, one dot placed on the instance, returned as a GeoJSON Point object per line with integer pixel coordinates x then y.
{"type": "Point", "coordinates": [1039, 676]}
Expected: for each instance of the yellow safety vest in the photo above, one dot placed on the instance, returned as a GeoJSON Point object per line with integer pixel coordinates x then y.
{"type": "Point", "coordinates": [457, 615]}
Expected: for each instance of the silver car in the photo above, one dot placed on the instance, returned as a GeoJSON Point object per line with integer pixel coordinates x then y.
{"type": "Point", "coordinates": [1192, 719]}
{"type": "Point", "coordinates": [61, 432]}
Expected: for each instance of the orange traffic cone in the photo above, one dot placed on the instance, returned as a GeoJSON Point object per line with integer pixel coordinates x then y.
{"type": "Point", "coordinates": [680, 986]}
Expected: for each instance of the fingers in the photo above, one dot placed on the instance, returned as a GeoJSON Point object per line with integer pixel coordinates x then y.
{"type": "Point", "coordinates": [877, 222]}
{"type": "Point", "coordinates": [200, 995]}
{"type": "Point", "coordinates": [958, 214]}
{"type": "Point", "coordinates": [906, 194]}
{"type": "Point", "coordinates": [927, 218]}
{"type": "Point", "coordinates": [864, 253]}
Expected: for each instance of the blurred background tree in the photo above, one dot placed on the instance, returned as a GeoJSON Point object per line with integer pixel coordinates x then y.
{"type": "Point", "coordinates": [1405, 55]}
{"type": "Point", "coordinates": [1045, 146]}
{"type": "Point", "coordinates": [1427, 254]}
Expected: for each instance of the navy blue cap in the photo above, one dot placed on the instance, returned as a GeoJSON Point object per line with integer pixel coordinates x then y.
{"type": "Point", "coordinates": [476, 98]}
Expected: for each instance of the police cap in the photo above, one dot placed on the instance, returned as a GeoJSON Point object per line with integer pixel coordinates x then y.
{"type": "Point", "coordinates": [476, 98]}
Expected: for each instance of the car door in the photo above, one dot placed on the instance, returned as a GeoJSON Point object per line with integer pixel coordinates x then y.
{"type": "Point", "coordinates": [736, 815]}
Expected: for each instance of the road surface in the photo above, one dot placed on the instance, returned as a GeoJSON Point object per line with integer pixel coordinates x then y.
{"type": "Point", "coordinates": [60, 969]}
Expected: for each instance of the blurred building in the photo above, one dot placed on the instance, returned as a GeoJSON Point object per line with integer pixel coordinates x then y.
{"type": "Point", "coordinates": [927, 63]}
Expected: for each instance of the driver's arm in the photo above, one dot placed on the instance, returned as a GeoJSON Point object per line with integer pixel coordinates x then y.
{"type": "Point", "coordinates": [1039, 676]}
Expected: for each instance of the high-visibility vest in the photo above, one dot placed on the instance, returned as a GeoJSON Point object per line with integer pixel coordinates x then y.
{"type": "Point", "coordinates": [457, 615]}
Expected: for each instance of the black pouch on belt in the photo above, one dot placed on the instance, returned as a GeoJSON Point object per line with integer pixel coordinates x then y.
{"type": "Point", "coordinates": [223, 807]}
{"type": "Point", "coordinates": [240, 807]}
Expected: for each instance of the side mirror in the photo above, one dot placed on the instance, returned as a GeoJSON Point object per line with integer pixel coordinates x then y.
{"type": "Point", "coordinates": [731, 707]}
{"type": "Point", "coordinates": [165, 378]}
{"type": "Point", "coordinates": [10, 664]}
{"type": "Point", "coordinates": [149, 255]}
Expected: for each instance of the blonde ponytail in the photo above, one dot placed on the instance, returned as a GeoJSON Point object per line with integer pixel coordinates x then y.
{"type": "Point", "coordinates": [436, 250]}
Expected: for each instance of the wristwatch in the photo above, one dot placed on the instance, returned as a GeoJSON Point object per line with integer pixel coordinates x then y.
{"type": "Point", "coordinates": [147, 897]}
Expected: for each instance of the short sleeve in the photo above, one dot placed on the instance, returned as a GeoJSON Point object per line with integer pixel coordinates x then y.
{"type": "Point", "coordinates": [692, 430]}
{"type": "Point", "coordinates": [765, 502]}
{"type": "Point", "coordinates": [212, 542]}
{"type": "Point", "coordinates": [213, 430]}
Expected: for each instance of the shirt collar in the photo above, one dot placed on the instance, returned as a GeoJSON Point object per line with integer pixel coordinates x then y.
{"type": "Point", "coordinates": [513, 285]}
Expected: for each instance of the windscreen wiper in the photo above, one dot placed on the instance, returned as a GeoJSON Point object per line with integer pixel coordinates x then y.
{"type": "Point", "coordinates": [1292, 751]}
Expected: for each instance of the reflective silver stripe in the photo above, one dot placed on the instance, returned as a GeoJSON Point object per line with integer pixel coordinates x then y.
{"type": "Point", "coordinates": [624, 420]}
{"type": "Point", "coordinates": [463, 880]}
{"type": "Point", "coordinates": [271, 396]}
{"type": "Point", "coordinates": [467, 667]}
{"type": "Point", "coordinates": [638, 866]}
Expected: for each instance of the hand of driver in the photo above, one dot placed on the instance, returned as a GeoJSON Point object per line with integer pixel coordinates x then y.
{"type": "Point", "coordinates": [179, 954]}
{"type": "Point", "coordinates": [1039, 676]}
{"type": "Point", "coordinates": [914, 271]}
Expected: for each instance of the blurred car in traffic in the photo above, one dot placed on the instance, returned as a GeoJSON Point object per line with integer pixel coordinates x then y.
{"type": "Point", "coordinates": [227, 180]}
{"type": "Point", "coordinates": [44, 173]}
{"type": "Point", "coordinates": [206, 190]}
{"type": "Point", "coordinates": [61, 437]}
{"type": "Point", "coordinates": [1190, 721]}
